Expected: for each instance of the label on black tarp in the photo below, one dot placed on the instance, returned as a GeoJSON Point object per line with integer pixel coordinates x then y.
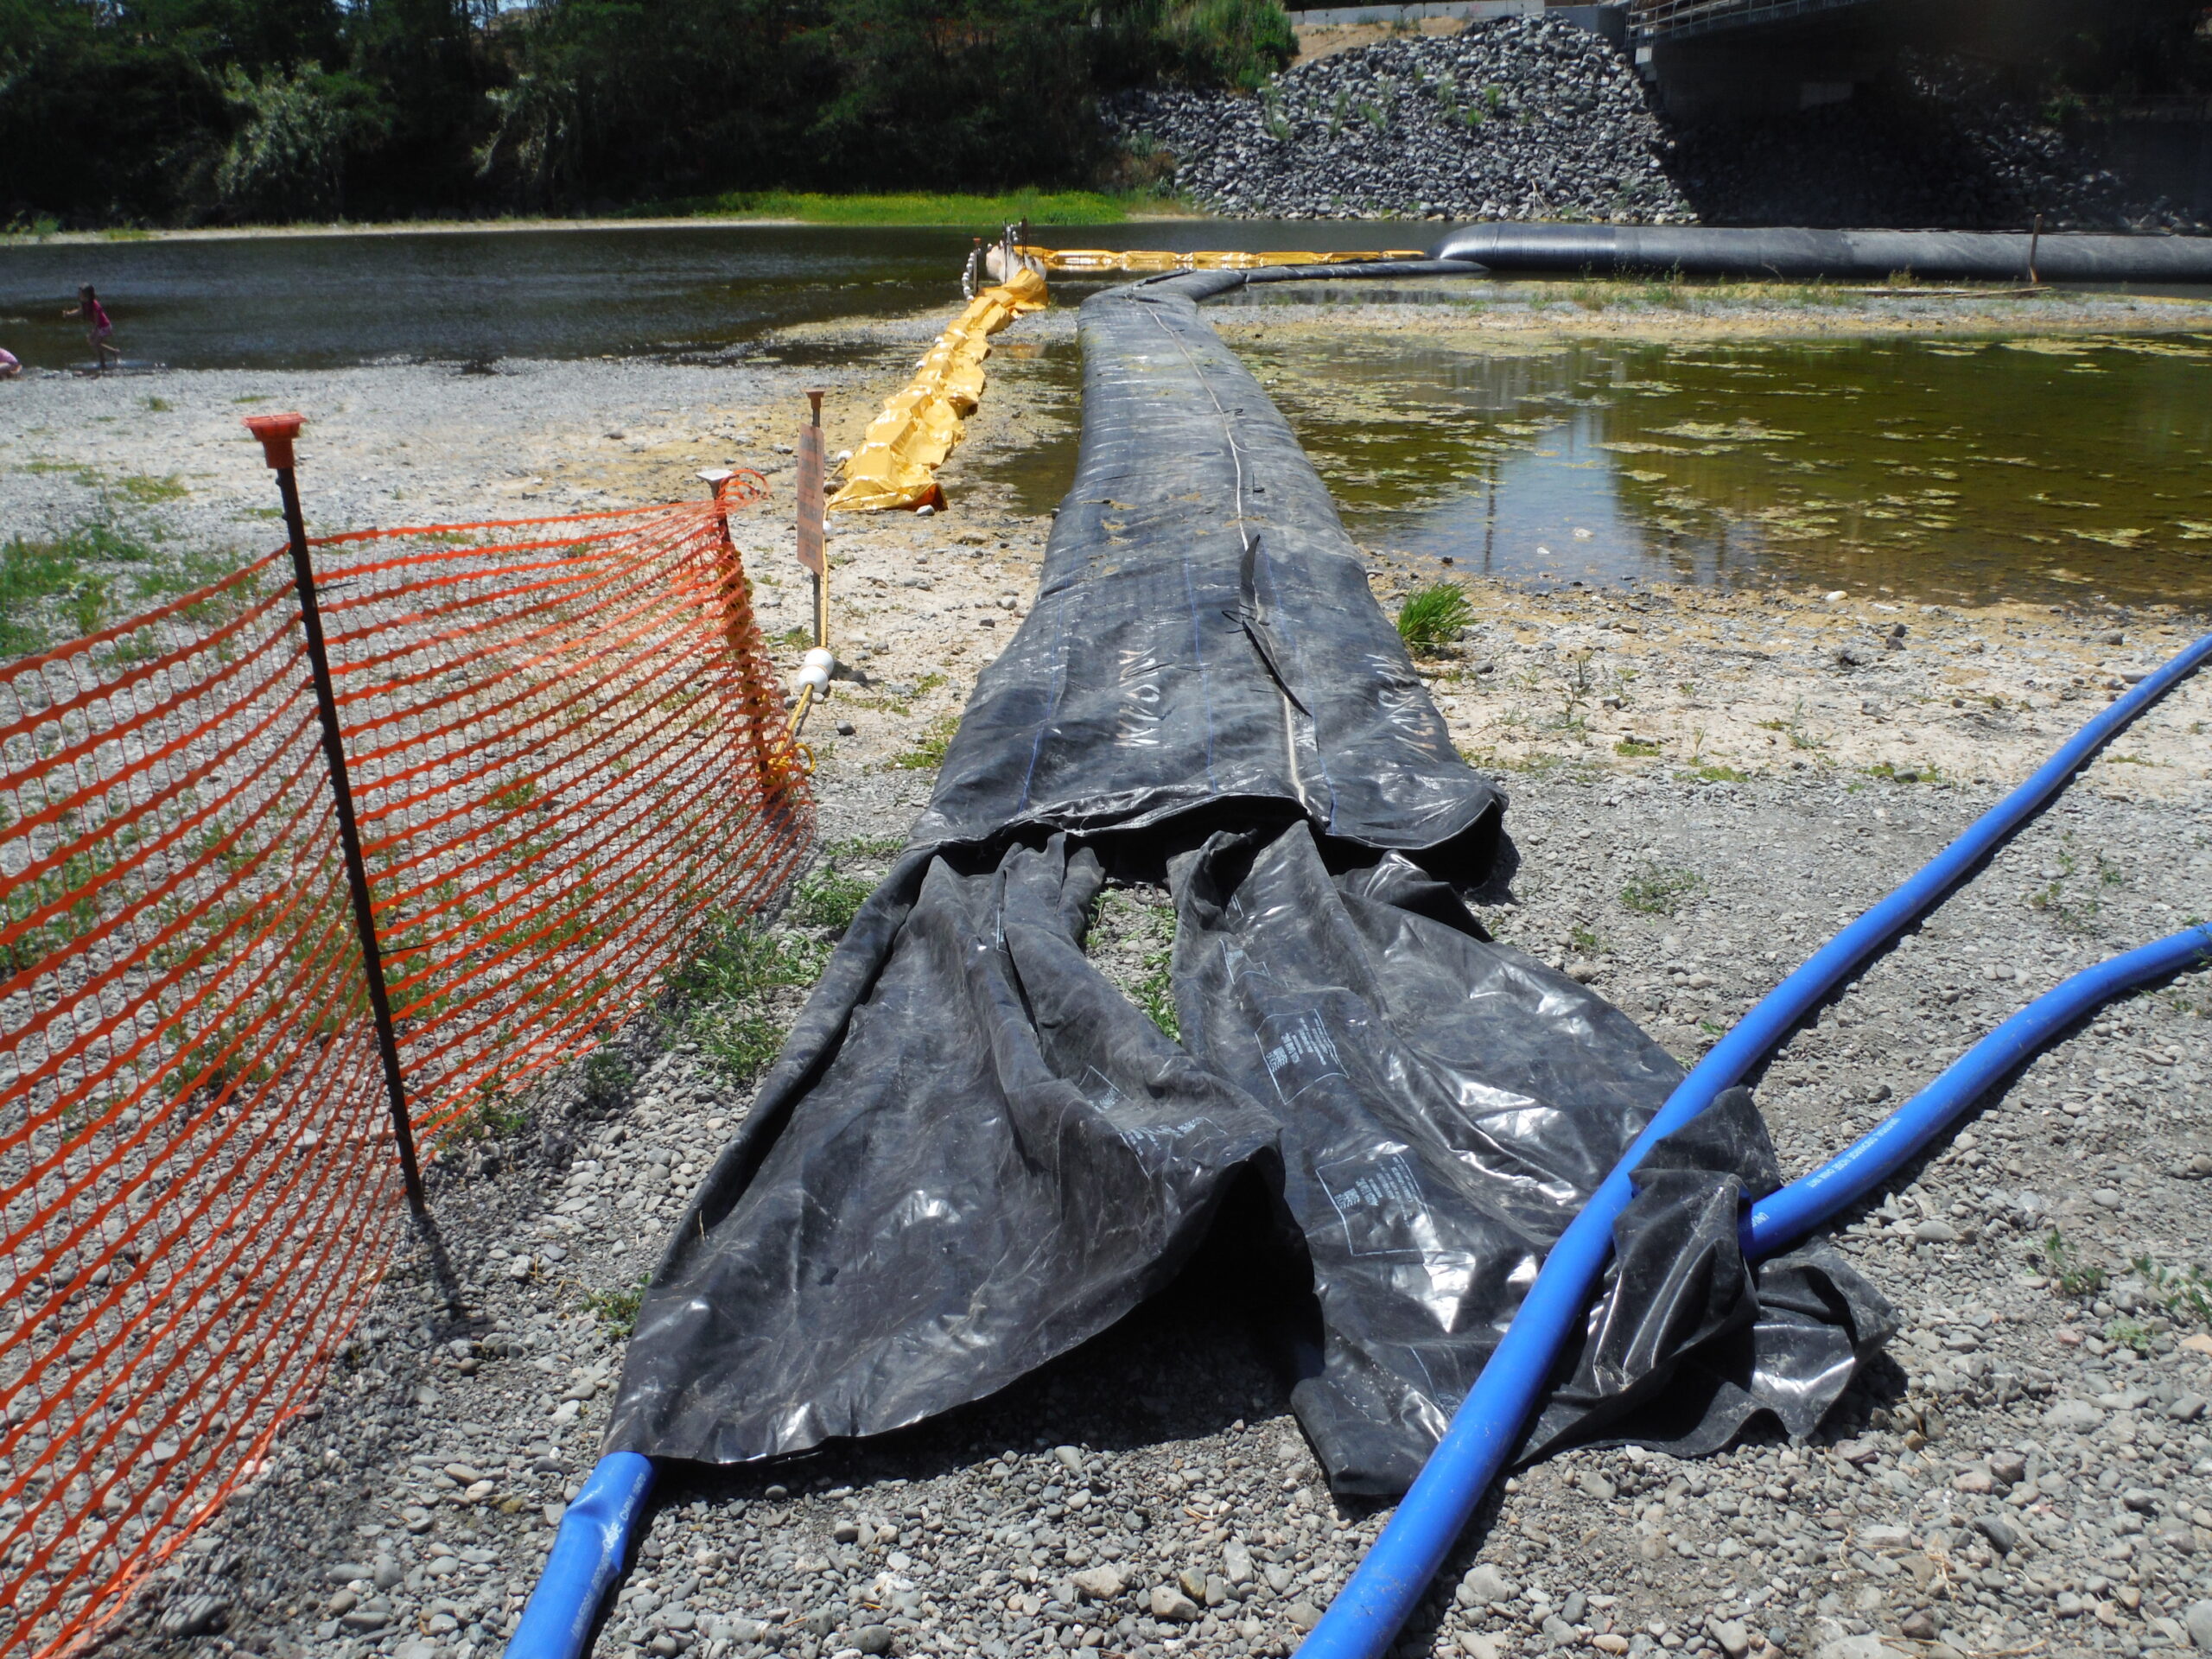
{"type": "Point", "coordinates": [1378, 1200]}
{"type": "Point", "coordinates": [1298, 1051]}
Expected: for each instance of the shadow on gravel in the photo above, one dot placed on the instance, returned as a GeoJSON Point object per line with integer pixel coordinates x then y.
{"type": "Point", "coordinates": [1224, 1342]}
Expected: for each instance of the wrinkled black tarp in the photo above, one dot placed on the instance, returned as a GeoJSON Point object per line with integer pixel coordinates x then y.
{"type": "Point", "coordinates": [975, 1153]}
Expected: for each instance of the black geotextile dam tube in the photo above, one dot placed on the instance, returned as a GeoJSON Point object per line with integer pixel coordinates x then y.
{"type": "Point", "coordinates": [975, 1153]}
{"type": "Point", "coordinates": [1703, 250]}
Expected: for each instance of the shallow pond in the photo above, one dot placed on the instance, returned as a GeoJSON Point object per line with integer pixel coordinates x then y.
{"type": "Point", "coordinates": [1939, 470]}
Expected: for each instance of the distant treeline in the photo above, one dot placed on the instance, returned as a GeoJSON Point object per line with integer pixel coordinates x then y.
{"type": "Point", "coordinates": [180, 111]}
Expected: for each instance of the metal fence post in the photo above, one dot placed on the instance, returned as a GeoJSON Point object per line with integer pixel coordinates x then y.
{"type": "Point", "coordinates": [276, 433]}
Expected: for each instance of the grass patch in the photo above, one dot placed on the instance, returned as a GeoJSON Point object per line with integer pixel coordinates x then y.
{"type": "Point", "coordinates": [1156, 991]}
{"type": "Point", "coordinates": [722, 990]}
{"type": "Point", "coordinates": [46, 593]}
{"type": "Point", "coordinates": [2068, 1274]}
{"type": "Point", "coordinates": [1656, 890]}
{"type": "Point", "coordinates": [1431, 619]}
{"type": "Point", "coordinates": [2129, 1333]}
{"type": "Point", "coordinates": [928, 752]}
{"type": "Point", "coordinates": [607, 1080]}
{"type": "Point", "coordinates": [53, 590]}
{"type": "Point", "coordinates": [1908, 773]}
{"type": "Point", "coordinates": [618, 1309]}
{"type": "Point", "coordinates": [1637, 747]}
{"type": "Point", "coordinates": [830, 898]}
{"type": "Point", "coordinates": [1710, 774]}
{"type": "Point", "coordinates": [494, 1117]}
{"type": "Point", "coordinates": [2185, 1293]}
{"type": "Point", "coordinates": [908, 207]}
{"type": "Point", "coordinates": [1589, 944]}
{"type": "Point", "coordinates": [148, 491]}
{"type": "Point", "coordinates": [877, 846]}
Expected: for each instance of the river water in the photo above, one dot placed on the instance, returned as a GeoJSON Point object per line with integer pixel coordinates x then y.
{"type": "Point", "coordinates": [1937, 468]}
{"type": "Point", "coordinates": [325, 302]}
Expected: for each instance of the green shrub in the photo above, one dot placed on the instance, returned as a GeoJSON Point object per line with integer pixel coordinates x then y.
{"type": "Point", "coordinates": [618, 1309]}
{"type": "Point", "coordinates": [1234, 43]}
{"type": "Point", "coordinates": [1431, 619]}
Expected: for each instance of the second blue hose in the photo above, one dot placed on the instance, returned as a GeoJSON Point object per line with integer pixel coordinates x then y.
{"type": "Point", "coordinates": [1784, 1216]}
{"type": "Point", "coordinates": [1366, 1616]}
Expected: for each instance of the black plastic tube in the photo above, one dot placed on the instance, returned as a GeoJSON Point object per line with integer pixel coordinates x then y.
{"type": "Point", "coordinates": [1700, 251]}
{"type": "Point", "coordinates": [1367, 1615]}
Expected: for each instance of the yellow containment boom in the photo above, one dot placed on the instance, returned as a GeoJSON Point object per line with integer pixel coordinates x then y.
{"type": "Point", "coordinates": [896, 464]}
{"type": "Point", "coordinates": [1072, 260]}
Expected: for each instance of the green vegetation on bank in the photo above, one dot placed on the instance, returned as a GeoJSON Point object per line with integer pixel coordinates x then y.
{"type": "Point", "coordinates": [913, 207]}
{"type": "Point", "coordinates": [134, 112]}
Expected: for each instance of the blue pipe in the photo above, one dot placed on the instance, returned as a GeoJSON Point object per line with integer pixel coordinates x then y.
{"type": "Point", "coordinates": [587, 1555]}
{"type": "Point", "coordinates": [1784, 1216]}
{"type": "Point", "coordinates": [1367, 1614]}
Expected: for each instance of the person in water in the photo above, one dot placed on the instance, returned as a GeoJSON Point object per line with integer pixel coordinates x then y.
{"type": "Point", "coordinates": [98, 330]}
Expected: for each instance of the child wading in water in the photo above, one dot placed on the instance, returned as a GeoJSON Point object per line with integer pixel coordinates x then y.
{"type": "Point", "coordinates": [100, 330]}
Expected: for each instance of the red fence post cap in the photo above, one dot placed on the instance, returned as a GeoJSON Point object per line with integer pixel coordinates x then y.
{"type": "Point", "coordinates": [275, 433]}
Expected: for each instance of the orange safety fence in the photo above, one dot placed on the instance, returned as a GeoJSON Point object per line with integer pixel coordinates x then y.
{"type": "Point", "coordinates": [566, 750]}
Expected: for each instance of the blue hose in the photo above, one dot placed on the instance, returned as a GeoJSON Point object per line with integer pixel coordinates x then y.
{"type": "Point", "coordinates": [1783, 1217]}
{"type": "Point", "coordinates": [587, 1555]}
{"type": "Point", "coordinates": [1366, 1616]}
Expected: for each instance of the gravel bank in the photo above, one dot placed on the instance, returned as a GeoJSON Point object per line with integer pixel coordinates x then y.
{"type": "Point", "coordinates": [1521, 118]}
{"type": "Point", "coordinates": [2033, 1471]}
{"type": "Point", "coordinates": [1526, 118]}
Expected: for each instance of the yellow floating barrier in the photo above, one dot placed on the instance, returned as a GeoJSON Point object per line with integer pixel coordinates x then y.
{"type": "Point", "coordinates": [1142, 259]}
{"type": "Point", "coordinates": [896, 463]}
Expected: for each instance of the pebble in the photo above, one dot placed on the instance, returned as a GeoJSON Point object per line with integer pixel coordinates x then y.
{"type": "Point", "coordinates": [2198, 1623]}
{"type": "Point", "coordinates": [2074, 1415]}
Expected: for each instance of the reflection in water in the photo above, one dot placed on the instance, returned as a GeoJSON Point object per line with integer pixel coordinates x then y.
{"type": "Point", "coordinates": [1942, 469]}
{"type": "Point", "coordinates": [322, 302]}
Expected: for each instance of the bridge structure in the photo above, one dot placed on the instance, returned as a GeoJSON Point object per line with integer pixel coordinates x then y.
{"type": "Point", "coordinates": [1757, 56]}
{"type": "Point", "coordinates": [1681, 20]}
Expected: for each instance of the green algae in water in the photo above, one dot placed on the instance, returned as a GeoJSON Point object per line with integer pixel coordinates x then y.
{"type": "Point", "coordinates": [1959, 471]}
{"type": "Point", "coordinates": [1945, 470]}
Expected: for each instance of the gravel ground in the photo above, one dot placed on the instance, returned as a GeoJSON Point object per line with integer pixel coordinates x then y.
{"type": "Point", "coordinates": [1529, 118]}
{"type": "Point", "coordinates": [2031, 1472]}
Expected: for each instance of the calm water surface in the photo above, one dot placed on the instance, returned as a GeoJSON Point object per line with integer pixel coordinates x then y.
{"type": "Point", "coordinates": [1944, 470]}
{"type": "Point", "coordinates": [322, 302]}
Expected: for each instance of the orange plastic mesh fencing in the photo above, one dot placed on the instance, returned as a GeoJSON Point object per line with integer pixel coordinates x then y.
{"type": "Point", "coordinates": [565, 749]}
{"type": "Point", "coordinates": [544, 770]}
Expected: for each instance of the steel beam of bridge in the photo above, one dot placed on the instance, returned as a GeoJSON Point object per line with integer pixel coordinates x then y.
{"type": "Point", "coordinates": [1677, 20]}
